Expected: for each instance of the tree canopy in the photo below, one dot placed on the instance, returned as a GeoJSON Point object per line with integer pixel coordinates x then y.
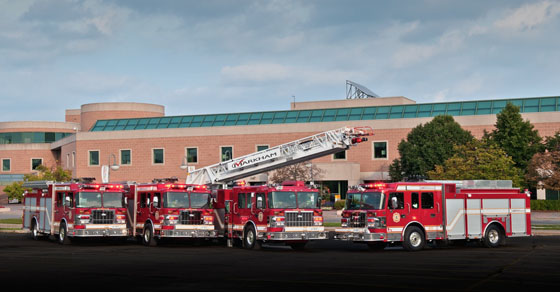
{"type": "Point", "coordinates": [428, 145]}
{"type": "Point", "coordinates": [544, 170]}
{"type": "Point", "coordinates": [516, 137]}
{"type": "Point", "coordinates": [478, 160]}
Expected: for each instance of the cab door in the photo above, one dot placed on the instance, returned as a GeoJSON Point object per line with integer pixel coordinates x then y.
{"type": "Point", "coordinates": [431, 214]}
{"type": "Point", "coordinates": [142, 211]}
{"type": "Point", "coordinates": [59, 212]}
{"type": "Point", "coordinates": [399, 206]}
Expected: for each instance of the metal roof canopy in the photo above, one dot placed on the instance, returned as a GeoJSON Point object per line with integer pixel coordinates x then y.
{"type": "Point", "coordinates": [355, 90]}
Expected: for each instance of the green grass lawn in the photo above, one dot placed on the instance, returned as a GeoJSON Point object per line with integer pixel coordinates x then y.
{"type": "Point", "coordinates": [11, 221]}
{"type": "Point", "coordinates": [546, 227]}
{"type": "Point", "coordinates": [331, 224]}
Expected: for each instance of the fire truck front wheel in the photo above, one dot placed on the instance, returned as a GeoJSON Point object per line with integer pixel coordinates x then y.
{"type": "Point", "coordinates": [414, 239]}
{"type": "Point", "coordinates": [148, 236]}
{"type": "Point", "coordinates": [63, 234]}
{"type": "Point", "coordinates": [250, 238]}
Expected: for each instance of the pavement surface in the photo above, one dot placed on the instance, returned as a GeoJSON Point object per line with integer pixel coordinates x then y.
{"type": "Point", "coordinates": [524, 263]}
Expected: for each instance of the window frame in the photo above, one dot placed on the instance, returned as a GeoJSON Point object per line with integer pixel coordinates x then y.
{"type": "Point", "coordinates": [187, 154]}
{"type": "Point", "coordinates": [98, 158]}
{"type": "Point", "coordinates": [333, 157]}
{"type": "Point", "coordinates": [154, 156]}
{"type": "Point", "coordinates": [261, 145]}
{"type": "Point", "coordinates": [220, 154]}
{"type": "Point", "coordinates": [35, 158]}
{"type": "Point", "coordinates": [386, 150]}
{"type": "Point", "coordinates": [10, 164]}
{"type": "Point", "coordinates": [121, 157]}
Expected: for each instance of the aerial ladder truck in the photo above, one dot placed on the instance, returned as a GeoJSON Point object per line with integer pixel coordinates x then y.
{"type": "Point", "coordinates": [289, 213]}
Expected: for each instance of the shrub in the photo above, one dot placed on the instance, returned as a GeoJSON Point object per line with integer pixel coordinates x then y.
{"type": "Point", "coordinates": [15, 191]}
{"type": "Point", "coordinates": [338, 205]}
{"type": "Point", "coordinates": [545, 205]}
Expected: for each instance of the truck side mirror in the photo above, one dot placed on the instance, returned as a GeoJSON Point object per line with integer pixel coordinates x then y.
{"type": "Point", "coordinates": [394, 203]}
{"type": "Point", "coordinates": [260, 203]}
{"type": "Point", "coordinates": [68, 202]}
{"type": "Point", "coordinates": [156, 202]}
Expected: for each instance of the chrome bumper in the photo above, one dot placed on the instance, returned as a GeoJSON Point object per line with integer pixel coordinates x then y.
{"type": "Point", "coordinates": [304, 235]}
{"type": "Point", "coordinates": [186, 233]}
{"type": "Point", "coordinates": [353, 234]}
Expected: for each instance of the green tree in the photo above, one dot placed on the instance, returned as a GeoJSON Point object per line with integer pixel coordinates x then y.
{"type": "Point", "coordinates": [428, 145]}
{"type": "Point", "coordinates": [552, 143]}
{"type": "Point", "coordinates": [54, 173]}
{"type": "Point", "coordinates": [516, 137]}
{"type": "Point", "coordinates": [15, 190]}
{"type": "Point", "coordinates": [478, 160]}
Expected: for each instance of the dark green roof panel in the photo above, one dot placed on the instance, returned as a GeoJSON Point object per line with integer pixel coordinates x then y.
{"type": "Point", "coordinates": [466, 108]}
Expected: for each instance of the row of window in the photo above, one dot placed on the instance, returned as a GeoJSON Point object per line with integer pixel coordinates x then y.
{"type": "Point", "coordinates": [464, 108]}
{"type": "Point", "coordinates": [7, 164]}
{"type": "Point", "coordinates": [226, 153]}
{"type": "Point", "coordinates": [31, 137]}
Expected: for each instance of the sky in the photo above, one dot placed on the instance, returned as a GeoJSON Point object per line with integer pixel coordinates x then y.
{"type": "Point", "coordinates": [223, 56]}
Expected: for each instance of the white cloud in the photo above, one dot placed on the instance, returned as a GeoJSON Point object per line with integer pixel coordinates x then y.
{"type": "Point", "coordinates": [529, 16]}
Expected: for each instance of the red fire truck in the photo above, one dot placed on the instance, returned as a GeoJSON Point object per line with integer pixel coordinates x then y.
{"type": "Point", "coordinates": [289, 213]}
{"type": "Point", "coordinates": [167, 209]}
{"type": "Point", "coordinates": [413, 213]}
{"type": "Point", "coordinates": [69, 210]}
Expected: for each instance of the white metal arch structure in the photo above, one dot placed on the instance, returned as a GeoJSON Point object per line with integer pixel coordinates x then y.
{"type": "Point", "coordinates": [304, 149]}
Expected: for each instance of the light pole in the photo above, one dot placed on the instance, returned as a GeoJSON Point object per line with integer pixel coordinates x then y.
{"type": "Point", "coordinates": [105, 169]}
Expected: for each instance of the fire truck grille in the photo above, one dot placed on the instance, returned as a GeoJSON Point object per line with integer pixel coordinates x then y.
{"type": "Point", "coordinates": [357, 220]}
{"type": "Point", "coordinates": [191, 218]}
{"type": "Point", "coordinates": [102, 216]}
{"type": "Point", "coordinates": [299, 219]}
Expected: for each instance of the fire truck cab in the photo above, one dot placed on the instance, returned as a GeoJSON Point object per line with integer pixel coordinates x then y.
{"type": "Point", "coordinates": [413, 213]}
{"type": "Point", "coordinates": [289, 213]}
{"type": "Point", "coordinates": [70, 210]}
{"type": "Point", "coordinates": [167, 209]}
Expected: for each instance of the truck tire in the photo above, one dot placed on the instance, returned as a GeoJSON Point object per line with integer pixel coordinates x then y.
{"type": "Point", "coordinates": [250, 238]}
{"type": "Point", "coordinates": [34, 230]}
{"type": "Point", "coordinates": [414, 239]}
{"type": "Point", "coordinates": [63, 234]}
{"type": "Point", "coordinates": [148, 236]}
{"type": "Point", "coordinates": [493, 236]}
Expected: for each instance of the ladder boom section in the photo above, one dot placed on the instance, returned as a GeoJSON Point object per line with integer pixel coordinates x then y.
{"type": "Point", "coordinates": [297, 151]}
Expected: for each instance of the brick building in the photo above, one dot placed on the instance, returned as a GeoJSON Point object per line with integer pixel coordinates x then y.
{"type": "Point", "coordinates": [147, 144]}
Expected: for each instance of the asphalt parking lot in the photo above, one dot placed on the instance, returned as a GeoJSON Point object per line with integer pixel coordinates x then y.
{"type": "Point", "coordinates": [524, 263]}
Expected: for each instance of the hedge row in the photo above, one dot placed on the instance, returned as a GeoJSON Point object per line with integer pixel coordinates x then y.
{"type": "Point", "coordinates": [545, 205]}
{"type": "Point", "coordinates": [338, 205]}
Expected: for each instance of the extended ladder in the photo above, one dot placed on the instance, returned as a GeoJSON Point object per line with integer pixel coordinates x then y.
{"type": "Point", "coordinates": [300, 150]}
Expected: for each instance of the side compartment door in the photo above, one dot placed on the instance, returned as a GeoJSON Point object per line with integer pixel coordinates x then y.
{"type": "Point", "coordinates": [455, 218]}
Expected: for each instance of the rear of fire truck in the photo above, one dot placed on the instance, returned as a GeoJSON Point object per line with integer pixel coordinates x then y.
{"type": "Point", "coordinates": [288, 214]}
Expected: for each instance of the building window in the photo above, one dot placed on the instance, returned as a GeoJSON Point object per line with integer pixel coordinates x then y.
{"type": "Point", "coordinates": [380, 150]}
{"type": "Point", "coordinates": [340, 155]}
{"type": "Point", "coordinates": [67, 160]}
{"type": "Point", "coordinates": [126, 157]}
{"type": "Point", "coordinates": [93, 157]}
{"type": "Point", "coordinates": [6, 164]}
{"type": "Point", "coordinates": [262, 147]}
{"type": "Point", "coordinates": [35, 162]}
{"type": "Point", "coordinates": [157, 155]}
{"type": "Point", "coordinates": [226, 153]}
{"type": "Point", "coordinates": [73, 159]}
{"type": "Point", "coordinates": [192, 155]}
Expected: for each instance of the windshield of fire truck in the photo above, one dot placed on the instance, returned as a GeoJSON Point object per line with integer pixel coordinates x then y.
{"type": "Point", "coordinates": [308, 200]}
{"type": "Point", "coordinates": [176, 200]}
{"type": "Point", "coordinates": [113, 200]}
{"type": "Point", "coordinates": [281, 200]}
{"type": "Point", "coordinates": [88, 200]}
{"type": "Point", "coordinates": [365, 201]}
{"type": "Point", "coordinates": [200, 200]}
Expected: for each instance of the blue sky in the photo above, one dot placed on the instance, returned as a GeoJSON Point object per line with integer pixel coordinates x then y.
{"type": "Point", "coordinates": [215, 56]}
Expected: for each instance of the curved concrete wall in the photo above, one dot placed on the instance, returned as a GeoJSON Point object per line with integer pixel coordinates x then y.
{"type": "Point", "coordinates": [92, 112]}
{"type": "Point", "coordinates": [33, 126]}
